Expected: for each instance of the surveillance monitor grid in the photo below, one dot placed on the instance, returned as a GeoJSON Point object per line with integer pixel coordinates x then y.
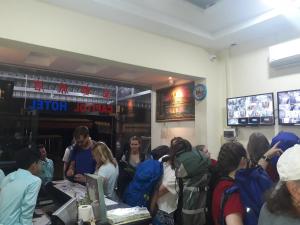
{"type": "Point", "coordinates": [250, 110]}
{"type": "Point", "coordinates": [289, 107]}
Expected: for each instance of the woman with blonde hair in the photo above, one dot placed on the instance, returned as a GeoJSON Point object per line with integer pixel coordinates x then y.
{"type": "Point", "coordinates": [106, 167]}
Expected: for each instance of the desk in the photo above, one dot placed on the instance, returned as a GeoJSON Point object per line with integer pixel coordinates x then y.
{"type": "Point", "coordinates": [65, 191]}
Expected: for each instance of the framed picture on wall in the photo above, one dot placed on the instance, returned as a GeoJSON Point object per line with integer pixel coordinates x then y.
{"type": "Point", "coordinates": [175, 103]}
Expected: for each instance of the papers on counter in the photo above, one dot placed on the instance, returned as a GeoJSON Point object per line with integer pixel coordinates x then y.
{"type": "Point", "coordinates": [109, 202]}
{"type": "Point", "coordinates": [126, 215]}
{"type": "Point", "coordinates": [76, 190]}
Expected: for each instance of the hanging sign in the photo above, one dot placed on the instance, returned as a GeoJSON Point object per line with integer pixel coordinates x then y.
{"type": "Point", "coordinates": [60, 106]}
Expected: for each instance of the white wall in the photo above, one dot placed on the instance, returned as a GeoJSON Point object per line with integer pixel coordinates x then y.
{"type": "Point", "coordinates": [249, 74]}
{"type": "Point", "coordinates": [209, 119]}
{"type": "Point", "coordinates": [42, 27]}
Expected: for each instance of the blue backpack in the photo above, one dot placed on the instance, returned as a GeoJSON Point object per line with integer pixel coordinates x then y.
{"type": "Point", "coordinates": [287, 140]}
{"type": "Point", "coordinates": [141, 188]}
{"type": "Point", "coordinates": [251, 184]}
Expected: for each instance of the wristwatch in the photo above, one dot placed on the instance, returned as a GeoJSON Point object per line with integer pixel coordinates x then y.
{"type": "Point", "coordinates": [266, 158]}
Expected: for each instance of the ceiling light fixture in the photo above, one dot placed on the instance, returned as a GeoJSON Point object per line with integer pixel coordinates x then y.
{"type": "Point", "coordinates": [171, 81]}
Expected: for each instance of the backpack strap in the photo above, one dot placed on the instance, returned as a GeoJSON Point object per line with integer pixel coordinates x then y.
{"type": "Point", "coordinates": [178, 213]}
{"type": "Point", "coordinates": [226, 195]}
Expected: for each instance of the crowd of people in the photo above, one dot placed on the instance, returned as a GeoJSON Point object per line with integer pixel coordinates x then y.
{"type": "Point", "coordinates": [179, 184]}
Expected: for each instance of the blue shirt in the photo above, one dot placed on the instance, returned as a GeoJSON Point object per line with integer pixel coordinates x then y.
{"type": "Point", "coordinates": [84, 162]}
{"type": "Point", "coordinates": [18, 195]}
{"type": "Point", "coordinates": [47, 169]}
{"type": "Point", "coordinates": [2, 175]}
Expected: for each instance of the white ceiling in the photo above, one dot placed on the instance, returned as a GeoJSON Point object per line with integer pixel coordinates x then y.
{"type": "Point", "coordinates": [243, 22]}
{"type": "Point", "coordinates": [102, 70]}
{"type": "Point", "coordinates": [247, 24]}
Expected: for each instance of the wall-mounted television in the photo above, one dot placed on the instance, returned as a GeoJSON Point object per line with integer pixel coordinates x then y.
{"type": "Point", "coordinates": [288, 107]}
{"type": "Point", "coordinates": [250, 110]}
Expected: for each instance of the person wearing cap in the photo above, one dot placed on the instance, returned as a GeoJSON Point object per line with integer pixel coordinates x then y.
{"type": "Point", "coordinates": [283, 203]}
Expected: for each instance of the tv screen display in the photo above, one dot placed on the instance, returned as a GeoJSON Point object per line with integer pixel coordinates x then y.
{"type": "Point", "coordinates": [250, 110]}
{"type": "Point", "coordinates": [289, 107]}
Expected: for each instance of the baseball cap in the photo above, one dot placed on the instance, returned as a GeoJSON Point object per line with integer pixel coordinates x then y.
{"type": "Point", "coordinates": [288, 165]}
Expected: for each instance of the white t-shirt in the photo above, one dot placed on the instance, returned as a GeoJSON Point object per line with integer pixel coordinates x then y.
{"type": "Point", "coordinates": [168, 202]}
{"type": "Point", "coordinates": [110, 174]}
{"type": "Point", "coordinates": [66, 157]}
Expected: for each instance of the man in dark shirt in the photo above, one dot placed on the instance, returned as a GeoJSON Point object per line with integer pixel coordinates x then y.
{"type": "Point", "coordinates": [81, 158]}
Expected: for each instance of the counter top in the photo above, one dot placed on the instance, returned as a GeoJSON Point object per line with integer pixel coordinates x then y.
{"type": "Point", "coordinates": [64, 190]}
{"type": "Point", "coordinates": [76, 190]}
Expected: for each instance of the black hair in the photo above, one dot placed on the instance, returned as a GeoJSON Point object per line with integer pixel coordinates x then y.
{"type": "Point", "coordinates": [280, 202]}
{"type": "Point", "coordinates": [26, 157]}
{"type": "Point", "coordinates": [178, 146]}
{"type": "Point", "coordinates": [229, 157]}
{"type": "Point", "coordinates": [257, 146]}
{"type": "Point", "coordinates": [81, 131]}
{"type": "Point", "coordinates": [40, 146]}
{"type": "Point", "coordinates": [160, 151]}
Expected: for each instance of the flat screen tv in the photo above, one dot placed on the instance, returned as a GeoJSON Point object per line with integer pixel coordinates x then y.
{"type": "Point", "coordinates": [288, 107]}
{"type": "Point", "coordinates": [250, 110]}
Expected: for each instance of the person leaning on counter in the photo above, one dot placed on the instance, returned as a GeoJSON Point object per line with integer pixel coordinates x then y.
{"type": "Point", "coordinates": [19, 190]}
{"type": "Point", "coordinates": [81, 158]}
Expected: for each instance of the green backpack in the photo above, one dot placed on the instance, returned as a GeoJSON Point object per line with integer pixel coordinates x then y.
{"type": "Point", "coordinates": [192, 172]}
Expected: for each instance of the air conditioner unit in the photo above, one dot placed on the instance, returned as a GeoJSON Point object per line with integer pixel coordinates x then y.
{"type": "Point", "coordinates": [285, 55]}
{"type": "Point", "coordinates": [287, 62]}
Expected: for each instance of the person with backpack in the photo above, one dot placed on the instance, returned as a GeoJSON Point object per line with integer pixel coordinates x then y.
{"type": "Point", "coordinates": [239, 190]}
{"type": "Point", "coordinates": [283, 203]}
{"type": "Point", "coordinates": [204, 150]}
{"type": "Point", "coordinates": [193, 178]}
{"type": "Point", "coordinates": [231, 158]}
{"type": "Point", "coordinates": [142, 186]}
{"type": "Point", "coordinates": [165, 198]}
{"type": "Point", "coordinates": [160, 151]}
{"type": "Point", "coordinates": [258, 150]}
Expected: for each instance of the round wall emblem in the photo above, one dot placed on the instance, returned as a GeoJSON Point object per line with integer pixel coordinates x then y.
{"type": "Point", "coordinates": [199, 92]}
